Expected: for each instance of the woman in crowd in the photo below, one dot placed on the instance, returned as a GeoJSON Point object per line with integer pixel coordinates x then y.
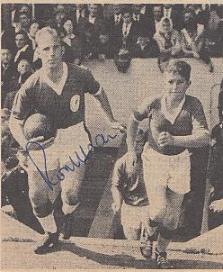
{"type": "Point", "coordinates": [168, 41]}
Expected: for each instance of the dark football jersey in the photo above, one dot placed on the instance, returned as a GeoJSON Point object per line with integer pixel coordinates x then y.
{"type": "Point", "coordinates": [66, 109]}
{"type": "Point", "coordinates": [190, 118]}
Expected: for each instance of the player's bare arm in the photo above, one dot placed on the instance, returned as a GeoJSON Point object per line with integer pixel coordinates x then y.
{"type": "Point", "coordinates": [101, 96]}
{"type": "Point", "coordinates": [16, 127]}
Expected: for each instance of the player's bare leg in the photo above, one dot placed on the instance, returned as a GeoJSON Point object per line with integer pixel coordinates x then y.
{"type": "Point", "coordinates": [42, 197]}
{"type": "Point", "coordinates": [71, 186]}
{"type": "Point", "coordinates": [169, 225]}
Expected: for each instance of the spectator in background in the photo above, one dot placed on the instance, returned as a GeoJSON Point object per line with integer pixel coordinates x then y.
{"type": "Point", "coordinates": [157, 16]}
{"type": "Point", "coordinates": [145, 23]}
{"type": "Point", "coordinates": [33, 28]}
{"type": "Point", "coordinates": [215, 170]}
{"type": "Point", "coordinates": [24, 49]}
{"type": "Point", "coordinates": [145, 47]}
{"type": "Point", "coordinates": [194, 43]}
{"type": "Point", "coordinates": [8, 72]}
{"type": "Point", "coordinates": [174, 12]}
{"type": "Point", "coordinates": [214, 31]}
{"type": "Point", "coordinates": [168, 41]}
{"type": "Point", "coordinates": [73, 41]}
{"type": "Point", "coordinates": [24, 72]}
{"type": "Point", "coordinates": [58, 19]}
{"type": "Point", "coordinates": [103, 48]}
{"type": "Point", "coordinates": [128, 31]}
{"type": "Point", "coordinates": [24, 22]}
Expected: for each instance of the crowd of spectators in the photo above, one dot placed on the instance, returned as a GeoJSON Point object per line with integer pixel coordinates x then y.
{"type": "Point", "coordinates": [100, 32]}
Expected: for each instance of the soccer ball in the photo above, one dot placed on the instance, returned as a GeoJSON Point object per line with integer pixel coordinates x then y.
{"type": "Point", "coordinates": [37, 125]}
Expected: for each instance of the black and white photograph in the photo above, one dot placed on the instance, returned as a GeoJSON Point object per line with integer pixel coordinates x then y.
{"type": "Point", "coordinates": [111, 135]}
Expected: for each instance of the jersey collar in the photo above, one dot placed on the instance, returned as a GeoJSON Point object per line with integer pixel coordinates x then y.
{"type": "Point", "coordinates": [171, 117]}
{"type": "Point", "coordinates": [58, 88]}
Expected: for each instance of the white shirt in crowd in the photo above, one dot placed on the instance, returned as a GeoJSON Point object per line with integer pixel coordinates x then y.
{"type": "Point", "coordinates": [126, 29]}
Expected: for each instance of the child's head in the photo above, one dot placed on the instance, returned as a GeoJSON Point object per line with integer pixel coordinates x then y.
{"type": "Point", "coordinates": [178, 76]}
{"type": "Point", "coordinates": [23, 67]}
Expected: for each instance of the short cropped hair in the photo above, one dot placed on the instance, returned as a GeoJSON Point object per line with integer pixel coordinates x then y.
{"type": "Point", "coordinates": [47, 31]}
{"type": "Point", "coordinates": [179, 67]}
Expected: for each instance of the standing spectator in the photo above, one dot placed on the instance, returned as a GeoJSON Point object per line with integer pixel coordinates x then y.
{"type": "Point", "coordinates": [194, 43]}
{"type": "Point", "coordinates": [157, 16]}
{"type": "Point", "coordinates": [73, 42]}
{"type": "Point", "coordinates": [8, 72]}
{"type": "Point", "coordinates": [145, 24]}
{"type": "Point", "coordinates": [145, 47]}
{"type": "Point", "coordinates": [168, 41]}
{"type": "Point", "coordinates": [127, 32]}
{"type": "Point", "coordinates": [24, 50]}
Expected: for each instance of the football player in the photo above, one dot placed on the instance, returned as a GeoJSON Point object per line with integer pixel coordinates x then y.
{"type": "Point", "coordinates": [176, 124]}
{"type": "Point", "coordinates": [57, 90]}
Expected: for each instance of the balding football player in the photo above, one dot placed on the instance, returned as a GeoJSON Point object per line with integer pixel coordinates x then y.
{"type": "Point", "coordinates": [58, 91]}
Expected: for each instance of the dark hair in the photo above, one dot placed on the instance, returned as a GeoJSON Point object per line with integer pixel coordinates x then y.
{"type": "Point", "coordinates": [179, 67]}
{"type": "Point", "coordinates": [22, 32]}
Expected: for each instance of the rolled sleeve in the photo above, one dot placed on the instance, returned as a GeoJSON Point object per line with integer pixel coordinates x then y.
{"type": "Point", "coordinates": [199, 121]}
{"type": "Point", "coordinates": [92, 85]}
{"type": "Point", "coordinates": [22, 105]}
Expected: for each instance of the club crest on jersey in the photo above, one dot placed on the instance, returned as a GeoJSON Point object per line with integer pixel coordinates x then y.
{"type": "Point", "coordinates": [74, 103]}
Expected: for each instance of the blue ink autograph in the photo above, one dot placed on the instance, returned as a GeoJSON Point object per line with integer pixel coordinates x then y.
{"type": "Point", "coordinates": [81, 157]}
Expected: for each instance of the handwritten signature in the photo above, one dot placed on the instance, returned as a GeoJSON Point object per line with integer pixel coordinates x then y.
{"type": "Point", "coordinates": [79, 158]}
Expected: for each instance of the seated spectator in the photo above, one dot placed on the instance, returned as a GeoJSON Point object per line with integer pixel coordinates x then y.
{"type": "Point", "coordinates": [33, 28]}
{"type": "Point", "coordinates": [8, 72]}
{"type": "Point", "coordinates": [215, 170]}
{"type": "Point", "coordinates": [145, 47]}
{"type": "Point", "coordinates": [194, 43]}
{"type": "Point", "coordinates": [168, 41]}
{"type": "Point", "coordinates": [174, 12]}
{"type": "Point", "coordinates": [24, 22]}
{"type": "Point", "coordinates": [103, 48]}
{"type": "Point", "coordinates": [24, 50]}
{"type": "Point", "coordinates": [24, 72]}
{"type": "Point", "coordinates": [73, 41]}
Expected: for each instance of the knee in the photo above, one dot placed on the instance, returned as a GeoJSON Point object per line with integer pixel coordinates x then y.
{"type": "Point", "coordinates": [157, 213]}
{"type": "Point", "coordinates": [41, 206]}
{"type": "Point", "coordinates": [171, 222]}
{"type": "Point", "coordinates": [70, 197]}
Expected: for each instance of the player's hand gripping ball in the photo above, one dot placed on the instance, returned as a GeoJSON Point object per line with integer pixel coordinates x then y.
{"type": "Point", "coordinates": [39, 131]}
